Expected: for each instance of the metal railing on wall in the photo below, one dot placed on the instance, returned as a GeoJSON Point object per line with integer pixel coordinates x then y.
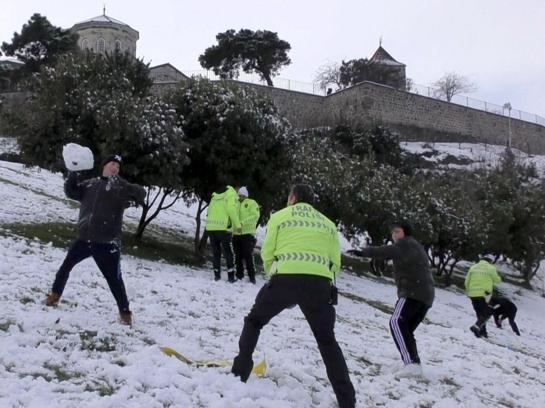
{"type": "Point", "coordinates": [282, 83]}
{"type": "Point", "coordinates": [315, 89]}
{"type": "Point", "coordinates": [504, 110]}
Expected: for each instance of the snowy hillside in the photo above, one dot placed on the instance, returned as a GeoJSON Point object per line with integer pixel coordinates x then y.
{"type": "Point", "coordinates": [78, 355]}
{"type": "Point", "coordinates": [468, 155]}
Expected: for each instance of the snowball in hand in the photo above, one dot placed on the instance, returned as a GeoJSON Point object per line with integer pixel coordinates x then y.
{"type": "Point", "coordinates": [77, 158]}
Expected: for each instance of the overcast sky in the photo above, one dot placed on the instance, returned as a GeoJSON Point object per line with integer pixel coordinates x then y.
{"type": "Point", "coordinates": [498, 44]}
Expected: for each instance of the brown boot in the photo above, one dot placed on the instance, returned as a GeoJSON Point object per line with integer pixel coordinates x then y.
{"type": "Point", "coordinates": [52, 299]}
{"type": "Point", "coordinates": [126, 317]}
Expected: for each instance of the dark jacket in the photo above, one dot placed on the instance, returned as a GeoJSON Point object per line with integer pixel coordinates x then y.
{"type": "Point", "coordinates": [411, 268]}
{"type": "Point", "coordinates": [103, 201]}
{"type": "Point", "coordinates": [503, 307]}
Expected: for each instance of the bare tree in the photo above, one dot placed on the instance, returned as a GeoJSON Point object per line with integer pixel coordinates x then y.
{"type": "Point", "coordinates": [452, 84]}
{"type": "Point", "coordinates": [329, 75]}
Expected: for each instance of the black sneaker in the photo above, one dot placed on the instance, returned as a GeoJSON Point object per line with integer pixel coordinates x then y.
{"type": "Point", "coordinates": [475, 330]}
{"type": "Point", "coordinates": [231, 277]}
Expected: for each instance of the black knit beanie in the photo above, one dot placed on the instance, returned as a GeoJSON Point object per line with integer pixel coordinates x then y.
{"type": "Point", "coordinates": [111, 158]}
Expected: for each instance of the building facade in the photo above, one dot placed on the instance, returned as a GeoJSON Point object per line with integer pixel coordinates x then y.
{"type": "Point", "coordinates": [104, 34]}
{"type": "Point", "coordinates": [392, 71]}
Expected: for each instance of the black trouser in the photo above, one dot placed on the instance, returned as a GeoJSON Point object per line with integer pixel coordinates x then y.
{"type": "Point", "coordinates": [408, 314]}
{"type": "Point", "coordinates": [244, 254]}
{"type": "Point", "coordinates": [221, 241]}
{"type": "Point", "coordinates": [504, 309]}
{"type": "Point", "coordinates": [312, 294]}
{"type": "Point", "coordinates": [483, 312]}
{"type": "Point", "coordinates": [107, 257]}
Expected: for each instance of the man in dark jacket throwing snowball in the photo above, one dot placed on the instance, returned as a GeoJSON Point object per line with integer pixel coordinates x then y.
{"type": "Point", "coordinates": [103, 201]}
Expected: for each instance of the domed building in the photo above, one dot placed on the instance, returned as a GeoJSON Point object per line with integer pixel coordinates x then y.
{"type": "Point", "coordinates": [104, 34]}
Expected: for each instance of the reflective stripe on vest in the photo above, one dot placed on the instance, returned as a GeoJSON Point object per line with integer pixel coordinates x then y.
{"type": "Point", "coordinates": [307, 224]}
{"type": "Point", "coordinates": [303, 256]}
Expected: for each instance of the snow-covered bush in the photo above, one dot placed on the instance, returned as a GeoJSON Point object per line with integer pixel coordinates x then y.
{"type": "Point", "coordinates": [101, 102]}
{"type": "Point", "coordinates": [235, 137]}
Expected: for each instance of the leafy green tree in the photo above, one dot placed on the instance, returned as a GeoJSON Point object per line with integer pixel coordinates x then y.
{"type": "Point", "coordinates": [528, 231]}
{"type": "Point", "coordinates": [258, 51]}
{"type": "Point", "coordinates": [517, 213]}
{"type": "Point", "coordinates": [99, 102]}
{"type": "Point", "coordinates": [40, 43]}
{"type": "Point", "coordinates": [457, 224]}
{"type": "Point", "coordinates": [377, 143]}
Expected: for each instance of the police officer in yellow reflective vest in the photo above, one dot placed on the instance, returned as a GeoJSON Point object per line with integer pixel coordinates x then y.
{"type": "Point", "coordinates": [244, 241]}
{"type": "Point", "coordinates": [301, 254]}
{"type": "Point", "coordinates": [221, 219]}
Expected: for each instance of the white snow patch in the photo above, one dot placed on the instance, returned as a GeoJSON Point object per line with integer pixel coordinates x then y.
{"type": "Point", "coordinates": [78, 355]}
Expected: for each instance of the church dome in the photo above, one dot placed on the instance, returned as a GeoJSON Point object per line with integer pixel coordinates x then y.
{"type": "Point", "coordinates": [106, 35]}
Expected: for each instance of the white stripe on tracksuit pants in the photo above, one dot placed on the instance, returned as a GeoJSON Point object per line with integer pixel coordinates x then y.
{"type": "Point", "coordinates": [408, 314]}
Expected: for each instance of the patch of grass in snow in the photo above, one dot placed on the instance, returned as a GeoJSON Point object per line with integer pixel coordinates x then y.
{"type": "Point", "coordinates": [383, 307]}
{"type": "Point", "coordinates": [37, 375]}
{"type": "Point", "coordinates": [12, 157]}
{"type": "Point", "coordinates": [148, 340]}
{"type": "Point", "coordinates": [461, 161]}
{"type": "Point", "coordinates": [157, 249]}
{"type": "Point", "coordinates": [90, 342]}
{"type": "Point", "coordinates": [450, 382]}
{"type": "Point", "coordinates": [70, 203]}
{"type": "Point", "coordinates": [103, 388]}
{"type": "Point", "coordinates": [4, 326]}
{"type": "Point", "coordinates": [61, 235]}
{"type": "Point", "coordinates": [60, 373]}
{"type": "Point", "coordinates": [25, 300]}
{"type": "Point", "coordinates": [359, 266]}
{"type": "Point", "coordinates": [3, 180]}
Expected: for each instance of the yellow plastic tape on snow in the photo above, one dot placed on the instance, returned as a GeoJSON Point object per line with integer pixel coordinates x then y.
{"type": "Point", "coordinates": [258, 370]}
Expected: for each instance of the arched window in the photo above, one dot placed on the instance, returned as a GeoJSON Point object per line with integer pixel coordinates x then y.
{"type": "Point", "coordinates": [101, 45]}
{"type": "Point", "coordinates": [117, 45]}
{"type": "Point", "coordinates": [84, 44]}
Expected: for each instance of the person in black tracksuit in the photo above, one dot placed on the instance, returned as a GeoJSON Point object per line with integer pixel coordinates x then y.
{"type": "Point", "coordinates": [503, 308]}
{"type": "Point", "coordinates": [103, 201]}
{"type": "Point", "coordinates": [415, 287]}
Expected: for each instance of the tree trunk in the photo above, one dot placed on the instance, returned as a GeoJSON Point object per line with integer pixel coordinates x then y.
{"type": "Point", "coordinates": [144, 222]}
{"type": "Point", "coordinates": [378, 266]}
{"type": "Point", "coordinates": [267, 77]}
{"type": "Point", "coordinates": [529, 272]}
{"type": "Point", "coordinates": [202, 243]}
{"type": "Point", "coordinates": [141, 223]}
{"type": "Point", "coordinates": [448, 280]}
{"type": "Point", "coordinates": [198, 244]}
{"type": "Point", "coordinates": [448, 275]}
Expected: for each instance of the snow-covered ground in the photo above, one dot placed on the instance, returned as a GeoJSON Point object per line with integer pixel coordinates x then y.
{"type": "Point", "coordinates": [468, 155]}
{"type": "Point", "coordinates": [8, 144]}
{"type": "Point", "coordinates": [78, 355]}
